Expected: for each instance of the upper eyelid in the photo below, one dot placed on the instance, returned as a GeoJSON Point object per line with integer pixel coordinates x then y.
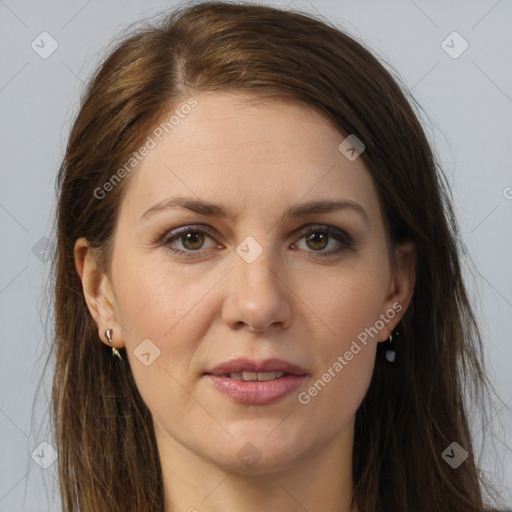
{"type": "Point", "coordinates": [177, 232]}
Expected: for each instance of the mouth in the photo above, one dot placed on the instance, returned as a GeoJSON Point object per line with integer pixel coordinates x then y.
{"type": "Point", "coordinates": [256, 383]}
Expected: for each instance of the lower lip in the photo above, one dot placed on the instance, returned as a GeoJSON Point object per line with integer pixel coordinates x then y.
{"type": "Point", "coordinates": [258, 393]}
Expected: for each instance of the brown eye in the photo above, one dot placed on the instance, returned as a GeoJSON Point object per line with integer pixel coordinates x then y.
{"type": "Point", "coordinates": [317, 241]}
{"type": "Point", "coordinates": [318, 238]}
{"type": "Point", "coordinates": [192, 240]}
{"type": "Point", "coordinates": [188, 241]}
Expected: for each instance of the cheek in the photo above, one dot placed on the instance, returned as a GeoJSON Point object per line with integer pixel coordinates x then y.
{"type": "Point", "coordinates": [345, 361]}
{"type": "Point", "coordinates": [347, 304]}
{"type": "Point", "coordinates": [346, 357]}
{"type": "Point", "coordinates": [153, 298]}
{"type": "Point", "coordinates": [162, 314]}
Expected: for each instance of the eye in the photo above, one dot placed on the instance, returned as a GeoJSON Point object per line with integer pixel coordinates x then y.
{"type": "Point", "coordinates": [317, 238]}
{"type": "Point", "coordinates": [190, 239]}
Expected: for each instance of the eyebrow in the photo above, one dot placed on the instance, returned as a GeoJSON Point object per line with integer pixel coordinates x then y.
{"type": "Point", "coordinates": [217, 210]}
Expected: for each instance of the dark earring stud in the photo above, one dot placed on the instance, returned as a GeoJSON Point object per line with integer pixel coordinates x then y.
{"type": "Point", "coordinates": [390, 348]}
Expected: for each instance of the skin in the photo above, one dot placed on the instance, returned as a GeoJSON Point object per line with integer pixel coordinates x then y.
{"type": "Point", "coordinates": [257, 159]}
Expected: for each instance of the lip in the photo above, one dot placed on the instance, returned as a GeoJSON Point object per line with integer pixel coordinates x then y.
{"type": "Point", "coordinates": [244, 364]}
{"type": "Point", "coordinates": [257, 392]}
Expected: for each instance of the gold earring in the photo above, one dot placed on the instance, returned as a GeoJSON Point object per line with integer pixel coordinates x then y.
{"type": "Point", "coordinates": [115, 352]}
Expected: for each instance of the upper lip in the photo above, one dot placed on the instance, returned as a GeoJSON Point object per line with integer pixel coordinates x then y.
{"type": "Point", "coordinates": [249, 365]}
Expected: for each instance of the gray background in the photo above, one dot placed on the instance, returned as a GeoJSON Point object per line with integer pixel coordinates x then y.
{"type": "Point", "coordinates": [468, 102]}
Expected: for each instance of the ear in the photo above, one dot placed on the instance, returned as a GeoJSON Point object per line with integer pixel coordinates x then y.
{"type": "Point", "coordinates": [401, 287]}
{"type": "Point", "coordinates": [98, 294]}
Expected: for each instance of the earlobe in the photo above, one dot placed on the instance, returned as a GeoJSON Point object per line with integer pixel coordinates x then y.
{"type": "Point", "coordinates": [96, 288]}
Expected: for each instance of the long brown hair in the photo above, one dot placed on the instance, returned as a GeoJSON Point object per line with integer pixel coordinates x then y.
{"type": "Point", "coordinates": [414, 409]}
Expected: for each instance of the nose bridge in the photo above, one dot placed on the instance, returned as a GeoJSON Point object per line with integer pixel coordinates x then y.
{"type": "Point", "coordinates": [256, 264]}
{"type": "Point", "coordinates": [257, 297]}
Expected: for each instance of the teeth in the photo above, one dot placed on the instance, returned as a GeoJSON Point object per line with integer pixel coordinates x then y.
{"type": "Point", "coordinates": [256, 376]}
{"type": "Point", "coordinates": [264, 376]}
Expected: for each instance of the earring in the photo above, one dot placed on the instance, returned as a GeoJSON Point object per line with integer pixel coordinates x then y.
{"type": "Point", "coordinates": [115, 352]}
{"type": "Point", "coordinates": [390, 349]}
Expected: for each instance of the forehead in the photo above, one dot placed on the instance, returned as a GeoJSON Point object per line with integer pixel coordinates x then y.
{"type": "Point", "coordinates": [255, 155]}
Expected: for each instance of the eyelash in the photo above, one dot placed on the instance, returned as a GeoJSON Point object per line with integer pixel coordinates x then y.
{"type": "Point", "coordinates": [344, 238]}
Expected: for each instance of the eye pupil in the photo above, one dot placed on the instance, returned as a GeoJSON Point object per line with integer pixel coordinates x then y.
{"type": "Point", "coordinates": [193, 238]}
{"type": "Point", "coordinates": [317, 238]}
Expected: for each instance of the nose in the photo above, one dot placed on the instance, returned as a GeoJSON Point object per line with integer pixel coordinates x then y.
{"type": "Point", "coordinates": [258, 297]}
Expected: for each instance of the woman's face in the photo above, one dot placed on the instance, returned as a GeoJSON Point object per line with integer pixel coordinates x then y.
{"type": "Point", "coordinates": [273, 277]}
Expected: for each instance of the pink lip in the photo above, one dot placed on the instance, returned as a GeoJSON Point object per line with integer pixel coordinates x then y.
{"type": "Point", "coordinates": [257, 393]}
{"type": "Point", "coordinates": [244, 364]}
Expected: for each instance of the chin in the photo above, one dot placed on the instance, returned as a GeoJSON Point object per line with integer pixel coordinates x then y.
{"type": "Point", "coordinates": [258, 451]}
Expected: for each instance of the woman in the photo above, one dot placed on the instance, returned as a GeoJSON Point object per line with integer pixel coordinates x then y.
{"type": "Point", "coordinates": [252, 222]}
